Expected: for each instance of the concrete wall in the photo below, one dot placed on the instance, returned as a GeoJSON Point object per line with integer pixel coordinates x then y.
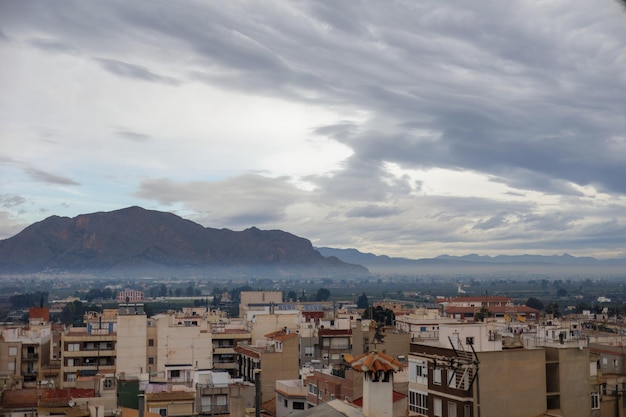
{"type": "Point", "coordinates": [575, 388]}
{"type": "Point", "coordinates": [277, 366]}
{"type": "Point", "coordinates": [512, 383]}
{"type": "Point", "coordinates": [131, 344]}
{"type": "Point", "coordinates": [269, 323]}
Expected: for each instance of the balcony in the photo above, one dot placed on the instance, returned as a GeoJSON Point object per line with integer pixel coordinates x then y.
{"type": "Point", "coordinates": [88, 353]}
{"type": "Point", "coordinates": [292, 388]}
{"type": "Point", "coordinates": [225, 365]}
{"type": "Point", "coordinates": [223, 350]}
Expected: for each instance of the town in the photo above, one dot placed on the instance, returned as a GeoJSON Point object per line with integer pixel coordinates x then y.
{"type": "Point", "coordinates": [283, 354]}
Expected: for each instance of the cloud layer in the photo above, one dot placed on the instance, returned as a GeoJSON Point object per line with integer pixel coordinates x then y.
{"type": "Point", "coordinates": [406, 128]}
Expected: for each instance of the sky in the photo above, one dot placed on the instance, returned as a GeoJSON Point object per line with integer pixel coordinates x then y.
{"type": "Point", "coordinates": [405, 128]}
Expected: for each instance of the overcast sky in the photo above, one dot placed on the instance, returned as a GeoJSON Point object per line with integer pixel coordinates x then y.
{"type": "Point", "coordinates": [405, 128]}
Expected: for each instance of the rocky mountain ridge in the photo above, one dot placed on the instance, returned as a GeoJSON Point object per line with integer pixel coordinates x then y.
{"type": "Point", "coordinates": [139, 241]}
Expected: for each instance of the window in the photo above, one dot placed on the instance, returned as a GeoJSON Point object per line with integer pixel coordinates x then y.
{"type": "Point", "coordinates": [418, 372]}
{"type": "Point", "coordinates": [150, 361]}
{"type": "Point", "coordinates": [313, 389]}
{"type": "Point", "coordinates": [437, 407]}
{"type": "Point", "coordinates": [286, 403]}
{"type": "Point", "coordinates": [595, 400]}
{"type": "Point", "coordinates": [109, 383]}
{"type": "Point", "coordinates": [71, 377]}
{"type": "Point", "coordinates": [418, 402]}
{"type": "Point", "coordinates": [309, 351]}
{"type": "Point", "coordinates": [150, 342]}
{"type": "Point", "coordinates": [451, 409]}
{"type": "Point", "coordinates": [73, 347]}
{"type": "Point", "coordinates": [451, 378]}
{"type": "Point", "coordinates": [12, 350]}
{"type": "Point", "coordinates": [11, 366]}
{"type": "Point", "coordinates": [469, 340]}
{"type": "Point", "coordinates": [437, 376]}
{"type": "Point", "coordinates": [467, 410]}
{"type": "Point", "coordinates": [298, 405]}
{"type": "Point", "coordinates": [175, 373]}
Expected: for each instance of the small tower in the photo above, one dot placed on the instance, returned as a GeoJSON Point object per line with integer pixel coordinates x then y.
{"type": "Point", "coordinates": [378, 370]}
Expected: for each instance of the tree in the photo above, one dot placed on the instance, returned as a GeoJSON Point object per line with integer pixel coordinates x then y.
{"type": "Point", "coordinates": [482, 314]}
{"type": "Point", "coordinates": [561, 292]}
{"type": "Point", "coordinates": [535, 303]}
{"type": "Point", "coordinates": [553, 308]}
{"type": "Point", "coordinates": [380, 315]}
{"type": "Point", "coordinates": [362, 301]}
{"type": "Point", "coordinates": [292, 295]}
{"type": "Point", "coordinates": [323, 294]}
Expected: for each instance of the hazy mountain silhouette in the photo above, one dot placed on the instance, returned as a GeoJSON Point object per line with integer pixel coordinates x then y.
{"type": "Point", "coordinates": [136, 240]}
{"type": "Point", "coordinates": [479, 264]}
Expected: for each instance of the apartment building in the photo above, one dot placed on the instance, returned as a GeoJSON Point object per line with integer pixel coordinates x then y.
{"type": "Point", "coordinates": [90, 349]}
{"type": "Point", "coordinates": [290, 397]}
{"type": "Point", "coordinates": [25, 351]}
{"type": "Point", "coordinates": [367, 336]}
{"type": "Point", "coordinates": [475, 370]}
{"type": "Point", "coordinates": [276, 357]}
{"type": "Point", "coordinates": [379, 398]}
{"type": "Point", "coordinates": [339, 382]}
{"type": "Point", "coordinates": [226, 336]}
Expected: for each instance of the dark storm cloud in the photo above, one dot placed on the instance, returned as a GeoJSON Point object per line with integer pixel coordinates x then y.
{"type": "Point", "coordinates": [49, 178]}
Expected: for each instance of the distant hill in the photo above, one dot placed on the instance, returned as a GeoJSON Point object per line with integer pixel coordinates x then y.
{"type": "Point", "coordinates": [139, 241]}
{"type": "Point", "coordinates": [478, 264]}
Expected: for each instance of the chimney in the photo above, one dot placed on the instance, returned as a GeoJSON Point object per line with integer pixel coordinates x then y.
{"type": "Point", "coordinates": [378, 369]}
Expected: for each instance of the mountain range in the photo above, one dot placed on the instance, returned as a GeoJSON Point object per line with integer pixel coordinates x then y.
{"type": "Point", "coordinates": [473, 263]}
{"type": "Point", "coordinates": [136, 241]}
{"type": "Point", "coordinates": [147, 242]}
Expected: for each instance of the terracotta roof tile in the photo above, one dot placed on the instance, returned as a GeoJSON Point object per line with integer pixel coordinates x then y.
{"type": "Point", "coordinates": [281, 335]}
{"type": "Point", "coordinates": [375, 361]}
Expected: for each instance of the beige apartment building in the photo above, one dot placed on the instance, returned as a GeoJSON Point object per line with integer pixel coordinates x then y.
{"type": "Point", "coordinates": [25, 352]}
{"type": "Point", "coordinates": [226, 336]}
{"type": "Point", "coordinates": [167, 347]}
{"type": "Point", "coordinates": [91, 349]}
{"type": "Point", "coordinates": [276, 358]}
{"type": "Point", "coordinates": [470, 372]}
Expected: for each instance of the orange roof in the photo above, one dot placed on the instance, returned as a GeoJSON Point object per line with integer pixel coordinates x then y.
{"type": "Point", "coordinates": [281, 335]}
{"type": "Point", "coordinates": [494, 309]}
{"type": "Point", "coordinates": [335, 332]}
{"type": "Point", "coordinates": [246, 351]}
{"type": "Point", "coordinates": [375, 361]}
{"type": "Point", "coordinates": [489, 298]}
{"type": "Point", "coordinates": [39, 313]}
